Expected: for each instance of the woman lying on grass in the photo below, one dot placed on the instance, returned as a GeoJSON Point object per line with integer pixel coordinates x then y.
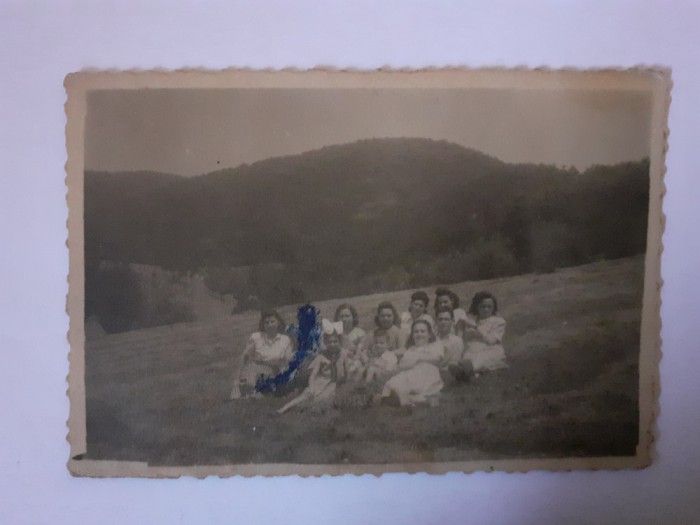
{"type": "Point", "coordinates": [483, 337]}
{"type": "Point", "coordinates": [266, 353]}
{"type": "Point", "coordinates": [418, 379]}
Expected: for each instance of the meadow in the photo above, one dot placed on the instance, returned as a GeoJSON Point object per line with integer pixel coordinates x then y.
{"type": "Point", "coordinates": [160, 395]}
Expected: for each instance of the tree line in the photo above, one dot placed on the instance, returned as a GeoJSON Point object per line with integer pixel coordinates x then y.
{"type": "Point", "coordinates": [346, 220]}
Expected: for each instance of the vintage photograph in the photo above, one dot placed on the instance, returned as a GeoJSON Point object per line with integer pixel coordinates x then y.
{"type": "Point", "coordinates": [327, 272]}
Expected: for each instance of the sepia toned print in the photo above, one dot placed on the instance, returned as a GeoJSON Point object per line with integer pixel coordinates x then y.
{"type": "Point", "coordinates": [327, 272]}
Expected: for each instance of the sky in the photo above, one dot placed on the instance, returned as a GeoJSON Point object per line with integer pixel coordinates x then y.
{"type": "Point", "coordinates": [191, 132]}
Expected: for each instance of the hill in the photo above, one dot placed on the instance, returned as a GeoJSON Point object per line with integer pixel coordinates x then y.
{"type": "Point", "coordinates": [161, 394]}
{"type": "Point", "coordinates": [377, 214]}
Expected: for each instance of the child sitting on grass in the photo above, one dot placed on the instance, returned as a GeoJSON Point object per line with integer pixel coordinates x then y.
{"type": "Point", "coordinates": [328, 370]}
{"type": "Point", "coordinates": [382, 360]}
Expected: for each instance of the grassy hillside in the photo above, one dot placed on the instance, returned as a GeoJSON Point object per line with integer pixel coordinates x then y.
{"type": "Point", "coordinates": [160, 395]}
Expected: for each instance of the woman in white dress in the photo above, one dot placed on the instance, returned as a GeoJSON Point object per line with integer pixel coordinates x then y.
{"type": "Point", "coordinates": [418, 379]}
{"type": "Point", "coordinates": [266, 353]}
{"type": "Point", "coordinates": [483, 338]}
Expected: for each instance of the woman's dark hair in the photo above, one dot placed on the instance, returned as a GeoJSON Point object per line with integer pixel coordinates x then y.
{"type": "Point", "coordinates": [383, 306]}
{"type": "Point", "coordinates": [478, 298]}
{"type": "Point", "coordinates": [281, 328]}
{"type": "Point", "coordinates": [454, 298]}
{"type": "Point", "coordinates": [441, 309]}
{"type": "Point", "coordinates": [346, 306]}
{"type": "Point", "coordinates": [410, 342]}
{"type": "Point", "coordinates": [420, 295]}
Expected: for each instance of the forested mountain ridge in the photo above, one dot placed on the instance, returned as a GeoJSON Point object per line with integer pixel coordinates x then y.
{"type": "Point", "coordinates": [372, 215]}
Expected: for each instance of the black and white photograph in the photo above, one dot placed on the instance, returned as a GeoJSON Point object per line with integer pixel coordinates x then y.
{"type": "Point", "coordinates": [327, 272]}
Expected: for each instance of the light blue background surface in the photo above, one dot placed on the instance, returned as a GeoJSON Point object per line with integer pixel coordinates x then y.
{"type": "Point", "coordinates": [40, 42]}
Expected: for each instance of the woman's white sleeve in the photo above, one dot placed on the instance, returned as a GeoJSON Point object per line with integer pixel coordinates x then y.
{"type": "Point", "coordinates": [494, 332]}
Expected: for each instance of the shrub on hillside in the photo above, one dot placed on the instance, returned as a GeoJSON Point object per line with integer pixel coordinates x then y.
{"type": "Point", "coordinates": [164, 309]}
{"type": "Point", "coordinates": [113, 295]}
{"type": "Point", "coordinates": [122, 299]}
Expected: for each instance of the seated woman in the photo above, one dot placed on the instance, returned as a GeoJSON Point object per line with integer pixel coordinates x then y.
{"type": "Point", "coordinates": [417, 309]}
{"type": "Point", "coordinates": [353, 336]}
{"type": "Point", "coordinates": [446, 298]}
{"type": "Point", "coordinates": [386, 321]}
{"type": "Point", "coordinates": [418, 379]}
{"type": "Point", "coordinates": [328, 370]}
{"type": "Point", "coordinates": [267, 352]}
{"type": "Point", "coordinates": [483, 337]}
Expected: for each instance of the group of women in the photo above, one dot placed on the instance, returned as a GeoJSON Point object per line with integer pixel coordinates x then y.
{"type": "Point", "coordinates": [403, 360]}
